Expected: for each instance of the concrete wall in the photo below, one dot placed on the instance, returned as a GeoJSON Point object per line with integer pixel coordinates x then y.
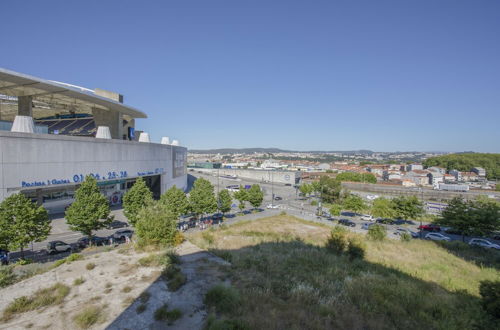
{"type": "Point", "coordinates": [112, 119]}
{"type": "Point", "coordinates": [259, 175]}
{"type": "Point", "coordinates": [30, 161]}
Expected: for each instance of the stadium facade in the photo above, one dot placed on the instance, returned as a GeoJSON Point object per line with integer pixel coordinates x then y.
{"type": "Point", "coordinates": [54, 134]}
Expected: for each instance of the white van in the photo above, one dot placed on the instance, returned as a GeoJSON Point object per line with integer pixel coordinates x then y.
{"type": "Point", "coordinates": [367, 217]}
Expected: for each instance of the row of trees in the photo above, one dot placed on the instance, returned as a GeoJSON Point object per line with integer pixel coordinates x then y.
{"type": "Point", "coordinates": [400, 207]}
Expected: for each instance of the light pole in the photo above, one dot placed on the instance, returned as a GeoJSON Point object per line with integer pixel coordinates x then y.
{"type": "Point", "coordinates": [422, 200]}
{"type": "Point", "coordinates": [218, 201]}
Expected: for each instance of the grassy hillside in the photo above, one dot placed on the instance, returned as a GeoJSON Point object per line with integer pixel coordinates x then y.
{"type": "Point", "coordinates": [466, 161]}
{"type": "Point", "coordinates": [286, 279]}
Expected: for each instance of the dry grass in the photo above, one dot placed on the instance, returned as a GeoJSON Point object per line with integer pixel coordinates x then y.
{"type": "Point", "coordinates": [90, 316]}
{"type": "Point", "coordinates": [53, 295]}
{"type": "Point", "coordinates": [287, 279]}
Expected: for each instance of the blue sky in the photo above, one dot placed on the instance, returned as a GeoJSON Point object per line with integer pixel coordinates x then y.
{"type": "Point", "coordinates": [302, 75]}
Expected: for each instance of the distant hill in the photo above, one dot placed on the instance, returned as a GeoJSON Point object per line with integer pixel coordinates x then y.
{"type": "Point", "coordinates": [466, 161]}
{"type": "Point", "coordinates": [270, 150]}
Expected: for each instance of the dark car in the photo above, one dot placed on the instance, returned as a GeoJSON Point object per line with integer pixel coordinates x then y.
{"type": "Point", "coordinates": [453, 231]}
{"type": "Point", "coordinates": [429, 227]}
{"type": "Point", "coordinates": [57, 247]}
{"type": "Point", "coordinates": [4, 257]}
{"type": "Point", "coordinates": [347, 222]}
{"type": "Point", "coordinates": [278, 198]}
{"type": "Point", "coordinates": [288, 184]}
{"type": "Point", "coordinates": [117, 224]}
{"type": "Point", "coordinates": [95, 241]}
{"type": "Point", "coordinates": [385, 221]}
{"type": "Point", "coordinates": [122, 234]}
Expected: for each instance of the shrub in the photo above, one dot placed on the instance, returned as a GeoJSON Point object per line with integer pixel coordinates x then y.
{"type": "Point", "coordinates": [178, 238]}
{"type": "Point", "coordinates": [141, 308]}
{"type": "Point", "coordinates": [405, 237]}
{"type": "Point", "coordinates": [156, 225]}
{"type": "Point", "coordinates": [7, 276]}
{"type": "Point", "coordinates": [208, 237]}
{"type": "Point", "coordinates": [155, 260]}
{"type": "Point", "coordinates": [90, 266]}
{"type": "Point", "coordinates": [174, 315]}
{"type": "Point", "coordinates": [127, 289]}
{"type": "Point", "coordinates": [144, 297]}
{"type": "Point", "coordinates": [161, 313]}
{"type": "Point", "coordinates": [176, 281]}
{"type": "Point", "coordinates": [314, 203]}
{"type": "Point", "coordinates": [490, 294]}
{"type": "Point", "coordinates": [337, 242]}
{"type": "Point", "coordinates": [377, 233]}
{"type": "Point", "coordinates": [24, 261]}
{"type": "Point", "coordinates": [42, 298]}
{"type": "Point", "coordinates": [89, 316]}
{"type": "Point", "coordinates": [224, 299]}
{"type": "Point", "coordinates": [356, 248]}
{"type": "Point", "coordinates": [78, 281]}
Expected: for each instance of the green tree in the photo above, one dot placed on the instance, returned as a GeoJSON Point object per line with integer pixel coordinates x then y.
{"type": "Point", "coordinates": [338, 240]}
{"type": "Point", "coordinates": [356, 177]}
{"type": "Point", "coordinates": [377, 233]}
{"type": "Point", "coordinates": [329, 189]}
{"type": "Point", "coordinates": [22, 222]}
{"type": "Point", "coordinates": [90, 210]}
{"type": "Point", "coordinates": [255, 196]}
{"type": "Point", "coordinates": [135, 199]}
{"type": "Point", "coordinates": [336, 209]}
{"type": "Point", "coordinates": [225, 200]}
{"type": "Point", "coordinates": [305, 189]}
{"type": "Point", "coordinates": [382, 208]}
{"type": "Point", "coordinates": [176, 201]}
{"type": "Point", "coordinates": [354, 203]}
{"type": "Point", "coordinates": [202, 198]}
{"type": "Point", "coordinates": [477, 217]}
{"type": "Point", "coordinates": [407, 207]}
{"type": "Point", "coordinates": [156, 225]}
{"type": "Point", "coordinates": [241, 197]}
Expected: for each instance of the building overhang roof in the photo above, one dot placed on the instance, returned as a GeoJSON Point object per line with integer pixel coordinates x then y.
{"type": "Point", "coordinates": [50, 94]}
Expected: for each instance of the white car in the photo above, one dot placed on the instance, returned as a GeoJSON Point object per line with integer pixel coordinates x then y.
{"type": "Point", "coordinates": [484, 243]}
{"type": "Point", "coordinates": [437, 237]}
{"type": "Point", "coordinates": [367, 217]}
{"type": "Point", "coordinates": [272, 206]}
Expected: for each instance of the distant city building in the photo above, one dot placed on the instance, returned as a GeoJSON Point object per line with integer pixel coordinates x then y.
{"type": "Point", "coordinates": [435, 178]}
{"type": "Point", "coordinates": [205, 165]}
{"type": "Point", "coordinates": [479, 171]}
{"type": "Point", "coordinates": [413, 167]}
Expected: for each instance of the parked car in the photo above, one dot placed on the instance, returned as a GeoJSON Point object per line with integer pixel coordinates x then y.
{"type": "Point", "coordinates": [272, 206]}
{"type": "Point", "coordinates": [437, 237]}
{"type": "Point", "coordinates": [484, 243]}
{"type": "Point", "coordinates": [347, 222]}
{"type": "Point", "coordinates": [117, 224]}
{"type": "Point", "coordinates": [452, 231]}
{"type": "Point", "coordinates": [385, 221]}
{"type": "Point", "coordinates": [57, 247]}
{"type": "Point", "coordinates": [400, 231]}
{"type": "Point", "coordinates": [95, 240]}
{"type": "Point", "coordinates": [367, 217]}
{"type": "Point", "coordinates": [122, 234]}
{"type": "Point", "coordinates": [278, 198]}
{"type": "Point", "coordinates": [288, 184]}
{"type": "Point", "coordinates": [429, 227]}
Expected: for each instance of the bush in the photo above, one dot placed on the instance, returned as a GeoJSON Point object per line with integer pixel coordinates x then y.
{"type": "Point", "coordinates": [405, 237]}
{"type": "Point", "coordinates": [7, 276]}
{"type": "Point", "coordinates": [224, 299]}
{"type": "Point", "coordinates": [283, 213]}
{"type": "Point", "coordinates": [141, 308]}
{"type": "Point", "coordinates": [356, 248]}
{"type": "Point", "coordinates": [154, 260]}
{"type": "Point", "coordinates": [156, 225]}
{"type": "Point", "coordinates": [490, 293]}
{"type": "Point", "coordinates": [338, 241]}
{"type": "Point", "coordinates": [161, 313]}
{"type": "Point", "coordinates": [175, 278]}
{"type": "Point", "coordinates": [89, 316]}
{"type": "Point", "coordinates": [314, 203]}
{"type": "Point", "coordinates": [178, 238]}
{"type": "Point", "coordinates": [24, 261]}
{"type": "Point", "coordinates": [377, 233]}
{"type": "Point", "coordinates": [127, 289]}
{"type": "Point", "coordinates": [90, 266]}
{"type": "Point", "coordinates": [42, 298]}
{"type": "Point", "coordinates": [78, 281]}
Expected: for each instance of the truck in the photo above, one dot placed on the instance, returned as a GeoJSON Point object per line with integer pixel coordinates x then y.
{"type": "Point", "coordinates": [452, 187]}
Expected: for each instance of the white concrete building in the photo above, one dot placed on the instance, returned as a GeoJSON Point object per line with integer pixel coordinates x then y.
{"type": "Point", "coordinates": [49, 167]}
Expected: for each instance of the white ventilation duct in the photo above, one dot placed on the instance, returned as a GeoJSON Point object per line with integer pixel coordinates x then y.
{"type": "Point", "coordinates": [165, 140]}
{"type": "Point", "coordinates": [103, 132]}
{"type": "Point", "coordinates": [175, 142]}
{"type": "Point", "coordinates": [144, 137]}
{"type": "Point", "coordinates": [23, 124]}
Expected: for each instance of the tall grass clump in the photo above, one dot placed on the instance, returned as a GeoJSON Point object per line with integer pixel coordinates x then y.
{"type": "Point", "coordinates": [53, 295]}
{"type": "Point", "coordinates": [224, 299]}
{"type": "Point", "coordinates": [90, 316]}
{"type": "Point", "coordinates": [7, 276]}
{"type": "Point", "coordinates": [405, 237]}
{"type": "Point", "coordinates": [377, 233]}
{"type": "Point", "coordinates": [356, 248]}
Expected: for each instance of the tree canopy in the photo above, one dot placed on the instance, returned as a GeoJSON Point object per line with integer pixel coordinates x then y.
{"type": "Point", "coordinates": [90, 210]}
{"type": "Point", "coordinates": [354, 203]}
{"type": "Point", "coordinates": [356, 177]}
{"type": "Point", "coordinates": [255, 196]}
{"type": "Point", "coordinates": [407, 207]}
{"type": "Point", "coordinates": [22, 222]}
{"type": "Point", "coordinates": [466, 161]}
{"type": "Point", "coordinates": [328, 188]}
{"type": "Point", "coordinates": [474, 217]}
{"type": "Point", "coordinates": [156, 225]}
{"type": "Point", "coordinates": [176, 201]}
{"type": "Point", "coordinates": [335, 209]}
{"type": "Point", "coordinates": [202, 198]}
{"type": "Point", "coordinates": [241, 195]}
{"type": "Point", "coordinates": [225, 200]}
{"type": "Point", "coordinates": [382, 208]}
{"type": "Point", "coordinates": [135, 199]}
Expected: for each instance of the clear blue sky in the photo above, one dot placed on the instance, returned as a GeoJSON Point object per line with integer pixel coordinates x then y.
{"type": "Point", "coordinates": [329, 75]}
